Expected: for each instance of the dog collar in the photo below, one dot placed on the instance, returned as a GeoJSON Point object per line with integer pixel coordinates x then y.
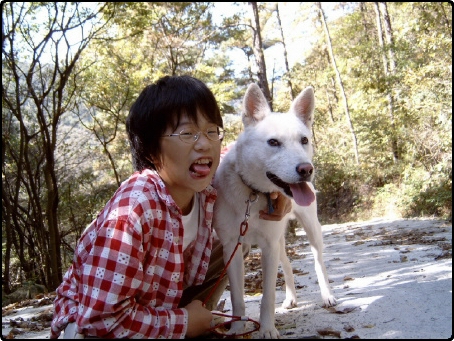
{"type": "Point", "coordinates": [255, 191]}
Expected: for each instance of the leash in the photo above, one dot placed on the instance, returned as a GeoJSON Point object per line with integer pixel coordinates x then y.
{"type": "Point", "coordinates": [253, 197]}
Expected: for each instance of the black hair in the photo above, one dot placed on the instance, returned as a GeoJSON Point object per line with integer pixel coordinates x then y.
{"type": "Point", "coordinates": [161, 105]}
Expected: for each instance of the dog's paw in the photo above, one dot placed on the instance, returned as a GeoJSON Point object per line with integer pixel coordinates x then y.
{"type": "Point", "coordinates": [289, 303]}
{"type": "Point", "coordinates": [269, 333]}
{"type": "Point", "coordinates": [329, 301]}
{"type": "Point", "coordinates": [237, 328]}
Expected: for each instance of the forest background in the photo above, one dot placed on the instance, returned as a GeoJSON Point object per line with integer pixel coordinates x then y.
{"type": "Point", "coordinates": [382, 74]}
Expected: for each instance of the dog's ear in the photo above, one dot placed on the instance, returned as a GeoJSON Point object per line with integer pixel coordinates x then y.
{"type": "Point", "coordinates": [255, 105]}
{"type": "Point", "coordinates": [303, 106]}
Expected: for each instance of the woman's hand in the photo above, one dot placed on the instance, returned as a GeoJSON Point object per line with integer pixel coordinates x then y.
{"type": "Point", "coordinates": [199, 319]}
{"type": "Point", "coordinates": [281, 204]}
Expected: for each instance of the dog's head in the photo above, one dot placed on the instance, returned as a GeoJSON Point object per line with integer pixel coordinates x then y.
{"type": "Point", "coordinates": [275, 150]}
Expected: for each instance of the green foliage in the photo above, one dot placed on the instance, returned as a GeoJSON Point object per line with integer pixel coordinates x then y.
{"type": "Point", "coordinates": [344, 193]}
{"type": "Point", "coordinates": [419, 194]}
{"type": "Point", "coordinates": [427, 194]}
{"type": "Point", "coordinates": [233, 127]}
{"type": "Point", "coordinates": [422, 116]}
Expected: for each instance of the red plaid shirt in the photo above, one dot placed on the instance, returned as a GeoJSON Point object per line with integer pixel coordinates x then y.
{"type": "Point", "coordinates": [128, 271]}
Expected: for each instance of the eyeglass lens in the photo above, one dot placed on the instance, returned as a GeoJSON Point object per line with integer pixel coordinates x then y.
{"type": "Point", "coordinates": [214, 134]}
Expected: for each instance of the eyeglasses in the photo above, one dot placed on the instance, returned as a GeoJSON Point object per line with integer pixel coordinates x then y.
{"type": "Point", "coordinates": [189, 136]}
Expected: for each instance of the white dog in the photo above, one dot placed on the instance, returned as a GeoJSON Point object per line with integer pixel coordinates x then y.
{"type": "Point", "coordinates": [273, 153]}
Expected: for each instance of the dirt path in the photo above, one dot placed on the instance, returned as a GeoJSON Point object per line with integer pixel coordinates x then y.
{"type": "Point", "coordinates": [392, 279]}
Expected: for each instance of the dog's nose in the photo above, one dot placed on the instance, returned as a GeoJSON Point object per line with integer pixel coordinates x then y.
{"type": "Point", "coordinates": [305, 170]}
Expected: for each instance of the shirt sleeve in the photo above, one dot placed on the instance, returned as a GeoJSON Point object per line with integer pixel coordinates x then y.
{"type": "Point", "coordinates": [110, 275]}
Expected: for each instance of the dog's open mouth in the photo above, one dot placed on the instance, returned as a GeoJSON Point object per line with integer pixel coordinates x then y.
{"type": "Point", "coordinates": [300, 191]}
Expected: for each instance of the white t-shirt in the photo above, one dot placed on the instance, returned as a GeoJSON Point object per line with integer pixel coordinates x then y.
{"type": "Point", "coordinates": [191, 222]}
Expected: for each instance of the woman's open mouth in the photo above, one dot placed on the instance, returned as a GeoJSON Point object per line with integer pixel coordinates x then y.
{"type": "Point", "coordinates": [201, 167]}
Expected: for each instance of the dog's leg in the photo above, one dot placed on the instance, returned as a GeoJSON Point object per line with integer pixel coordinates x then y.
{"type": "Point", "coordinates": [235, 272]}
{"type": "Point", "coordinates": [270, 264]}
{"type": "Point", "coordinates": [290, 292]}
{"type": "Point", "coordinates": [307, 216]}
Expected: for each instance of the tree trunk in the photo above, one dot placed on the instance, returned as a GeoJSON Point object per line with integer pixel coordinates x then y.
{"type": "Point", "coordinates": [389, 67]}
{"type": "Point", "coordinates": [363, 11]}
{"type": "Point", "coordinates": [105, 137]}
{"type": "Point", "coordinates": [330, 107]}
{"type": "Point", "coordinates": [339, 81]}
{"type": "Point", "coordinates": [287, 69]}
{"type": "Point", "coordinates": [52, 221]}
{"type": "Point", "coordinates": [446, 21]}
{"type": "Point", "coordinates": [6, 217]}
{"type": "Point", "coordinates": [259, 55]}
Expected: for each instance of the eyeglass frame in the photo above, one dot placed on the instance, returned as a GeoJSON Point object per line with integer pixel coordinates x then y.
{"type": "Point", "coordinates": [195, 137]}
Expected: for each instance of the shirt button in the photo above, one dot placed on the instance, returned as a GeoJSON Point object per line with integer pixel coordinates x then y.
{"type": "Point", "coordinates": [177, 240]}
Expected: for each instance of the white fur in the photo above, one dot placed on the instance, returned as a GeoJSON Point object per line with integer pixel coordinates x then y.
{"type": "Point", "coordinates": [247, 163]}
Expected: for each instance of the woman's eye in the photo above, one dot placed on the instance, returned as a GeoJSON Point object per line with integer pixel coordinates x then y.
{"type": "Point", "coordinates": [274, 143]}
{"type": "Point", "coordinates": [189, 131]}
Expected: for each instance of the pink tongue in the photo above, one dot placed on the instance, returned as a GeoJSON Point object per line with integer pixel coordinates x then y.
{"type": "Point", "coordinates": [200, 169]}
{"type": "Point", "coordinates": [302, 194]}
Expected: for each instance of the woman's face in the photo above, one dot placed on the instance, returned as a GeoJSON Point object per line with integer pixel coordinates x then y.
{"type": "Point", "coordinates": [185, 167]}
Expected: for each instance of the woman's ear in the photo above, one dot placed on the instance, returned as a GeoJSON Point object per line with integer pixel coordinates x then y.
{"type": "Point", "coordinates": [153, 161]}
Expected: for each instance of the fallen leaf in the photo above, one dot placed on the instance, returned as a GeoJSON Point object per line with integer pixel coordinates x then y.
{"type": "Point", "coordinates": [369, 326]}
{"type": "Point", "coordinates": [349, 328]}
{"type": "Point", "coordinates": [221, 305]}
{"type": "Point", "coordinates": [330, 309]}
{"type": "Point", "coordinates": [298, 286]}
{"type": "Point", "coordinates": [346, 310]}
{"type": "Point", "coordinates": [286, 326]}
{"type": "Point", "coordinates": [9, 336]}
{"type": "Point", "coordinates": [340, 311]}
{"type": "Point", "coordinates": [329, 332]}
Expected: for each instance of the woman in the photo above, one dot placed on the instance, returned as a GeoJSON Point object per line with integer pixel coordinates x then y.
{"type": "Point", "coordinates": [142, 268]}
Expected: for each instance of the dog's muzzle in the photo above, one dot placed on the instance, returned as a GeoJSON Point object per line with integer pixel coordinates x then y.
{"type": "Point", "coordinates": [299, 191]}
{"type": "Point", "coordinates": [278, 182]}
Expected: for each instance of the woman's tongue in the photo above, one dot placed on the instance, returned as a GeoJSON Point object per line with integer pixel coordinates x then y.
{"type": "Point", "coordinates": [200, 169]}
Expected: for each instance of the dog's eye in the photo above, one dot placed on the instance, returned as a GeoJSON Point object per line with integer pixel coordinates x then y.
{"type": "Point", "coordinates": [304, 140]}
{"type": "Point", "coordinates": [274, 143]}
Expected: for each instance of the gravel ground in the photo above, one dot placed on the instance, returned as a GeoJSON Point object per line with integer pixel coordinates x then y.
{"type": "Point", "coordinates": [392, 279]}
